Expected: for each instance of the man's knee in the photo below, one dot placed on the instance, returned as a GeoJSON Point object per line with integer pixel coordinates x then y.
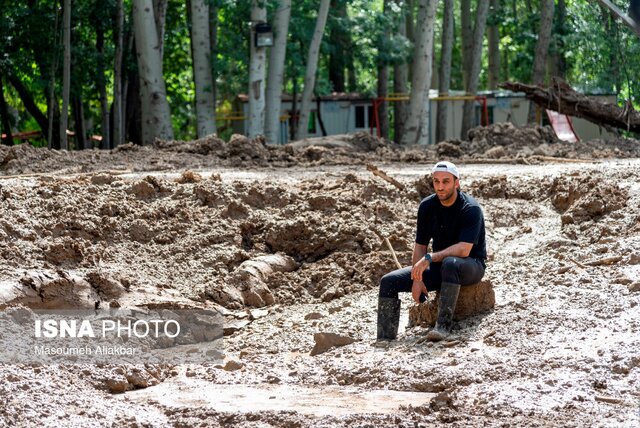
{"type": "Point", "coordinates": [451, 270]}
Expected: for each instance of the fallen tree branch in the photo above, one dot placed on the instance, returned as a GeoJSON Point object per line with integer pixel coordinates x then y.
{"type": "Point", "coordinates": [375, 171]}
{"type": "Point", "coordinates": [606, 261]}
{"type": "Point", "coordinates": [564, 99]}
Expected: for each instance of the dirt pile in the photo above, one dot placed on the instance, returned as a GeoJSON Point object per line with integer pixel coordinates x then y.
{"type": "Point", "coordinates": [499, 141]}
{"type": "Point", "coordinates": [506, 141]}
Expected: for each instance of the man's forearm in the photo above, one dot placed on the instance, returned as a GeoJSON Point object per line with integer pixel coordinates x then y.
{"type": "Point", "coordinates": [461, 249]}
{"type": "Point", "coordinates": [418, 253]}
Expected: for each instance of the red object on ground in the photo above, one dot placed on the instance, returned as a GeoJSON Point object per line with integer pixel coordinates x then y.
{"type": "Point", "coordinates": [563, 127]}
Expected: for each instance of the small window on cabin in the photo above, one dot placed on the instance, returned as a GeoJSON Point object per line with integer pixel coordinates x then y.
{"type": "Point", "coordinates": [360, 117]}
{"type": "Point", "coordinates": [311, 127]}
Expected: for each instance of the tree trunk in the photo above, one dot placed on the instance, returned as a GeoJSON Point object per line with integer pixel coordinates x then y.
{"type": "Point", "coordinates": [542, 48]}
{"type": "Point", "coordinates": [421, 71]}
{"type": "Point", "coordinates": [445, 69]}
{"type": "Point", "coordinates": [118, 126]}
{"type": "Point", "coordinates": [160, 15]}
{"type": "Point", "coordinates": [312, 66]}
{"type": "Point", "coordinates": [66, 73]}
{"type": "Point", "coordinates": [257, 71]}
{"type": "Point", "coordinates": [558, 61]}
{"type": "Point", "coordinates": [293, 120]}
{"type": "Point", "coordinates": [102, 87]}
{"type": "Point", "coordinates": [565, 100]}
{"type": "Point", "coordinates": [400, 79]}
{"type": "Point", "coordinates": [213, 48]}
{"type": "Point", "coordinates": [156, 116]}
{"type": "Point", "coordinates": [276, 72]}
{"type": "Point", "coordinates": [29, 103]}
{"type": "Point", "coordinates": [383, 82]}
{"type": "Point", "coordinates": [466, 31]}
{"type": "Point", "coordinates": [338, 38]}
{"type": "Point", "coordinates": [78, 117]}
{"type": "Point", "coordinates": [474, 71]}
{"type": "Point", "coordinates": [200, 50]}
{"type": "Point", "coordinates": [493, 34]}
{"type": "Point", "coordinates": [6, 121]}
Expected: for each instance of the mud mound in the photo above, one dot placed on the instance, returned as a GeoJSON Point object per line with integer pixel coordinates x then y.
{"type": "Point", "coordinates": [210, 144]}
{"type": "Point", "coordinates": [584, 198]}
{"type": "Point", "coordinates": [504, 139]}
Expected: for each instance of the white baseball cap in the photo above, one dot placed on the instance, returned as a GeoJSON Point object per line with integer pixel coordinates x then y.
{"type": "Point", "coordinates": [445, 166]}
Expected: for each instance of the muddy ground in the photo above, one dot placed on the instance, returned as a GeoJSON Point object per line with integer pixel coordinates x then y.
{"type": "Point", "coordinates": [286, 243]}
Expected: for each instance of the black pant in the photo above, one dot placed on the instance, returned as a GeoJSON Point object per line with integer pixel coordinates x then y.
{"type": "Point", "coordinates": [454, 270]}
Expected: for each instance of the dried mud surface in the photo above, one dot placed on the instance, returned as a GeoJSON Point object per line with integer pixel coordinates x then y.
{"type": "Point", "coordinates": [289, 253]}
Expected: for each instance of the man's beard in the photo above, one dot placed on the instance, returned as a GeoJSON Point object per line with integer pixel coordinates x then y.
{"type": "Point", "coordinates": [446, 196]}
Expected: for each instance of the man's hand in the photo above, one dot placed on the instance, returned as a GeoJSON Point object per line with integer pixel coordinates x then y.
{"type": "Point", "coordinates": [419, 268]}
{"type": "Point", "coordinates": [417, 289]}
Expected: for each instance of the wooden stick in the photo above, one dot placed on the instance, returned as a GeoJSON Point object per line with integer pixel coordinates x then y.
{"type": "Point", "coordinates": [393, 253]}
{"type": "Point", "coordinates": [374, 169]}
{"type": "Point", "coordinates": [605, 261]}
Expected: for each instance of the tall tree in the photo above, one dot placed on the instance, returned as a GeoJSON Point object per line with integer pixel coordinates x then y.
{"type": "Point", "coordinates": [473, 73]}
{"type": "Point", "coordinates": [257, 71]}
{"type": "Point", "coordinates": [4, 114]}
{"type": "Point", "coordinates": [275, 77]}
{"type": "Point", "coordinates": [558, 59]}
{"type": "Point", "coordinates": [312, 66]}
{"type": "Point", "coordinates": [493, 35]}
{"type": "Point", "coordinates": [156, 115]}
{"type": "Point", "coordinates": [66, 73]}
{"type": "Point", "coordinates": [383, 76]}
{"type": "Point", "coordinates": [118, 116]}
{"type": "Point", "coordinates": [466, 32]}
{"type": "Point", "coordinates": [401, 76]}
{"type": "Point", "coordinates": [421, 71]}
{"type": "Point", "coordinates": [542, 49]}
{"type": "Point", "coordinates": [201, 53]}
{"type": "Point", "coordinates": [99, 23]}
{"type": "Point", "coordinates": [339, 38]}
{"type": "Point", "coordinates": [445, 69]}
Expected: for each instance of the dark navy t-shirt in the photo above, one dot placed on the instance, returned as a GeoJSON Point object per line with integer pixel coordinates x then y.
{"type": "Point", "coordinates": [461, 222]}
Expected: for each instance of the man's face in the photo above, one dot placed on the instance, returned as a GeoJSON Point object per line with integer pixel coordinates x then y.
{"type": "Point", "coordinates": [445, 185]}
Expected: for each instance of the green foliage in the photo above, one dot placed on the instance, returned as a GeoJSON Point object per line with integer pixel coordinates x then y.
{"type": "Point", "coordinates": [600, 53]}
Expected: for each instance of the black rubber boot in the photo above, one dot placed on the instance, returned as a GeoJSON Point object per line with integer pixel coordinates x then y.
{"type": "Point", "coordinates": [388, 318]}
{"type": "Point", "coordinates": [448, 298]}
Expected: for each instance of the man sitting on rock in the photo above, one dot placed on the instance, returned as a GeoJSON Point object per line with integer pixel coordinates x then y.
{"type": "Point", "coordinates": [455, 222]}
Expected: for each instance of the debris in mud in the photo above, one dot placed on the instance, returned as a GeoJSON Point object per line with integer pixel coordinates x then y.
{"type": "Point", "coordinates": [326, 341]}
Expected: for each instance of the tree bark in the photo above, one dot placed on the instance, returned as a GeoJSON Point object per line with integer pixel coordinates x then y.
{"type": "Point", "coordinates": [421, 71]}
{"type": "Point", "coordinates": [275, 77]}
{"type": "Point", "coordinates": [312, 66]}
{"type": "Point", "coordinates": [445, 69]}
{"type": "Point", "coordinates": [160, 15]}
{"type": "Point", "coordinates": [493, 35]}
{"type": "Point", "coordinates": [200, 50]}
{"type": "Point", "coordinates": [66, 73]}
{"type": "Point", "coordinates": [558, 60]}
{"type": "Point", "coordinates": [102, 87]}
{"type": "Point", "coordinates": [466, 31]}
{"type": "Point", "coordinates": [4, 113]}
{"type": "Point", "coordinates": [474, 71]}
{"type": "Point", "coordinates": [562, 98]}
{"type": "Point", "coordinates": [29, 103]}
{"type": "Point", "coordinates": [213, 48]}
{"type": "Point", "coordinates": [400, 78]}
{"type": "Point", "coordinates": [78, 117]}
{"type": "Point", "coordinates": [156, 115]}
{"type": "Point", "coordinates": [383, 82]}
{"type": "Point", "coordinates": [118, 126]}
{"type": "Point", "coordinates": [338, 39]}
{"type": "Point", "coordinates": [257, 72]}
{"type": "Point", "coordinates": [542, 49]}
